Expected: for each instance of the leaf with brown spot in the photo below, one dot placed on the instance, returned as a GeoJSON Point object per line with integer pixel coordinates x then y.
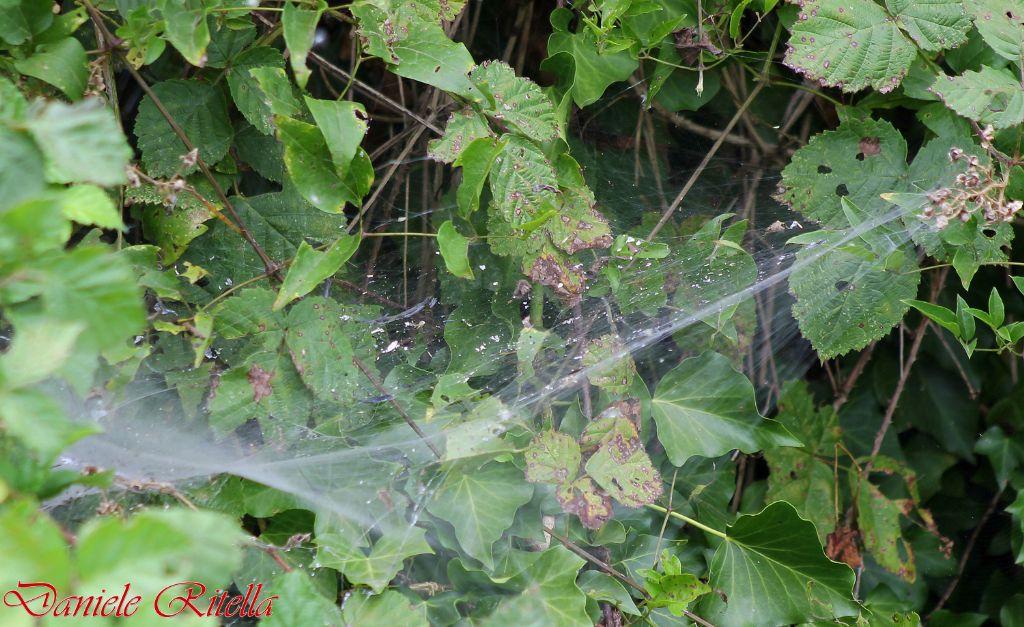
{"type": "Point", "coordinates": [552, 457]}
{"type": "Point", "coordinates": [582, 498]}
{"type": "Point", "coordinates": [842, 547]}
{"type": "Point", "coordinates": [621, 467]}
{"type": "Point", "coordinates": [260, 379]}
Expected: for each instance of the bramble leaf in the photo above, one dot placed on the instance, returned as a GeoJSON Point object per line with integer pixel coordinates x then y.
{"type": "Point", "coordinates": [199, 109]}
{"type": "Point", "coordinates": [1001, 24]}
{"type": "Point", "coordinates": [934, 24]}
{"type": "Point", "coordinates": [989, 96]}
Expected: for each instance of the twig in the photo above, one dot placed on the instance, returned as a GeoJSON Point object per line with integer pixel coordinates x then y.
{"type": "Point", "coordinates": [851, 379]}
{"type": "Point", "coordinates": [706, 160]}
{"type": "Point", "coordinates": [967, 551]}
{"type": "Point", "coordinates": [401, 412]}
{"type": "Point", "coordinates": [383, 300]}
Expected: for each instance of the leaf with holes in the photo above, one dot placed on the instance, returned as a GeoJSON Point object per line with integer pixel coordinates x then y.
{"type": "Point", "coordinates": [1001, 24]}
{"type": "Point", "coordinates": [850, 44]}
{"type": "Point", "coordinates": [988, 96]}
{"type": "Point", "coordinates": [343, 125]}
{"type": "Point", "coordinates": [859, 160]}
{"type": "Point", "coordinates": [523, 182]}
{"type": "Point", "coordinates": [846, 297]}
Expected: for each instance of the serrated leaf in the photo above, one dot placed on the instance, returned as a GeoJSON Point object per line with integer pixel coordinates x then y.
{"type": "Point", "coordinates": [322, 343]}
{"type": "Point", "coordinates": [199, 109]}
{"type": "Point", "coordinates": [705, 407]}
{"type": "Point", "coordinates": [299, 27]}
{"type": "Point", "coordinates": [62, 64]}
{"type": "Point", "coordinates": [480, 502]}
{"type": "Point", "coordinates": [522, 181]}
{"type": "Point", "coordinates": [82, 143]}
{"type": "Point", "coordinates": [88, 204]}
{"type": "Point", "coordinates": [851, 44]}
{"type": "Point", "coordinates": [989, 96]}
{"type": "Point", "coordinates": [343, 125]}
{"type": "Point", "coordinates": [250, 98]}
{"type": "Point", "coordinates": [934, 24]}
{"type": "Point", "coordinates": [266, 388]}
{"type": "Point", "coordinates": [310, 267]}
{"type": "Point", "coordinates": [305, 604]}
{"type": "Point", "coordinates": [21, 168]}
{"type": "Point", "coordinates": [463, 128]}
{"type": "Point", "coordinates": [1001, 24]}
{"type": "Point", "coordinates": [516, 101]}
{"type": "Point", "coordinates": [858, 161]}
{"type": "Point", "coordinates": [186, 29]}
{"type": "Point", "coordinates": [772, 571]}
{"type": "Point", "coordinates": [454, 250]}
{"type": "Point", "coordinates": [845, 299]}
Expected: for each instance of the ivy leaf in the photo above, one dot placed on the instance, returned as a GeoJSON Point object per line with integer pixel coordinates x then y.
{"type": "Point", "coordinates": [1005, 453]}
{"type": "Point", "coordinates": [583, 70]}
{"type": "Point", "coordinates": [934, 24]}
{"type": "Point", "coordinates": [311, 167]}
{"type": "Point", "coordinates": [310, 267]}
{"type": "Point", "coordinates": [850, 44]}
{"type": "Point", "coordinates": [552, 457]}
{"type": "Point", "coordinates": [186, 29]}
{"type": "Point", "coordinates": [1001, 24]}
{"type": "Point", "coordinates": [246, 92]}
{"type": "Point", "coordinates": [705, 407]}
{"type": "Point", "coordinates": [348, 550]}
{"type": "Point", "coordinates": [343, 124]}
{"type": "Point", "coordinates": [878, 518]}
{"type": "Point", "coordinates": [552, 597]}
{"type": "Point", "coordinates": [302, 602]}
{"type": "Point", "coordinates": [620, 464]}
{"type": "Point", "coordinates": [859, 160]}
{"type": "Point", "coordinates": [989, 96]}
{"type": "Point", "coordinates": [847, 297]}
{"type": "Point", "coordinates": [82, 143]}
{"type": "Point", "coordinates": [299, 26]}
{"type": "Point", "coordinates": [480, 502]}
{"type": "Point", "coordinates": [454, 250]}
{"type": "Point", "coordinates": [62, 64]}
{"type": "Point", "coordinates": [464, 127]}
{"type": "Point", "coordinates": [609, 365]}
{"type": "Point", "coordinates": [200, 109]}
{"type": "Point", "coordinates": [583, 498]}
{"type": "Point", "coordinates": [771, 571]}
{"type": "Point", "coordinates": [516, 101]}
{"type": "Point", "coordinates": [389, 608]}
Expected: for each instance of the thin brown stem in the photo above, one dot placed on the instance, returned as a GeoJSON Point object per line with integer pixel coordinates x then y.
{"type": "Point", "coordinates": [851, 379]}
{"type": "Point", "coordinates": [401, 412]}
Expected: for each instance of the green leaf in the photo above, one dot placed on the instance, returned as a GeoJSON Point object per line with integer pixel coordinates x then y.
{"type": "Point", "coordinates": [1004, 452]}
{"type": "Point", "coordinates": [62, 64]}
{"type": "Point", "coordinates": [609, 365]}
{"type": "Point", "coordinates": [552, 457]}
{"type": "Point", "coordinates": [476, 161]}
{"type": "Point", "coordinates": [310, 268]}
{"type": "Point", "coordinates": [523, 182]}
{"type": "Point", "coordinates": [996, 311]}
{"type": "Point", "coordinates": [247, 313]}
{"type": "Point", "coordinates": [603, 587]}
{"type": "Point", "coordinates": [771, 571]}
{"type": "Point", "coordinates": [21, 169]}
{"type": "Point", "coordinates": [858, 161]}
{"type": "Point", "coordinates": [37, 419]}
{"type": "Point", "coordinates": [300, 603]}
{"type": "Point", "coordinates": [40, 347]}
{"type": "Point", "coordinates": [248, 95]}
{"type": "Point", "coordinates": [33, 546]}
{"type": "Point", "coordinates": [851, 44]}
{"type": "Point", "coordinates": [552, 596]}
{"type": "Point", "coordinates": [389, 608]}
{"type": "Point", "coordinates": [964, 320]}
{"type": "Point", "coordinates": [942, 316]}
{"type": "Point", "coordinates": [343, 125]}
{"type": "Point", "coordinates": [23, 19]}
{"type": "Point", "coordinates": [464, 127]}
{"type": "Point", "coordinates": [172, 229]}
{"type": "Point", "coordinates": [88, 204]}
{"type": "Point", "coordinates": [988, 96]}
{"type": "Point", "coordinates": [516, 101]}
{"type": "Point", "coordinates": [309, 163]}
{"type": "Point", "coordinates": [878, 518]}
{"type": "Point", "coordinates": [454, 250]}
{"type": "Point", "coordinates": [299, 25]}
{"type": "Point", "coordinates": [346, 548]}
{"type": "Point", "coordinates": [199, 109]}
{"type": "Point", "coordinates": [480, 502]}
{"type": "Point", "coordinates": [82, 143]}
{"type": "Point", "coordinates": [934, 24]}
{"type": "Point", "coordinates": [266, 386]}
{"type": "Point", "coordinates": [705, 407]}
{"type": "Point", "coordinates": [278, 93]}
{"type": "Point", "coordinates": [186, 29]}
{"type": "Point", "coordinates": [583, 70]}
{"type": "Point", "coordinates": [846, 298]}
{"type": "Point", "coordinates": [1001, 24]}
